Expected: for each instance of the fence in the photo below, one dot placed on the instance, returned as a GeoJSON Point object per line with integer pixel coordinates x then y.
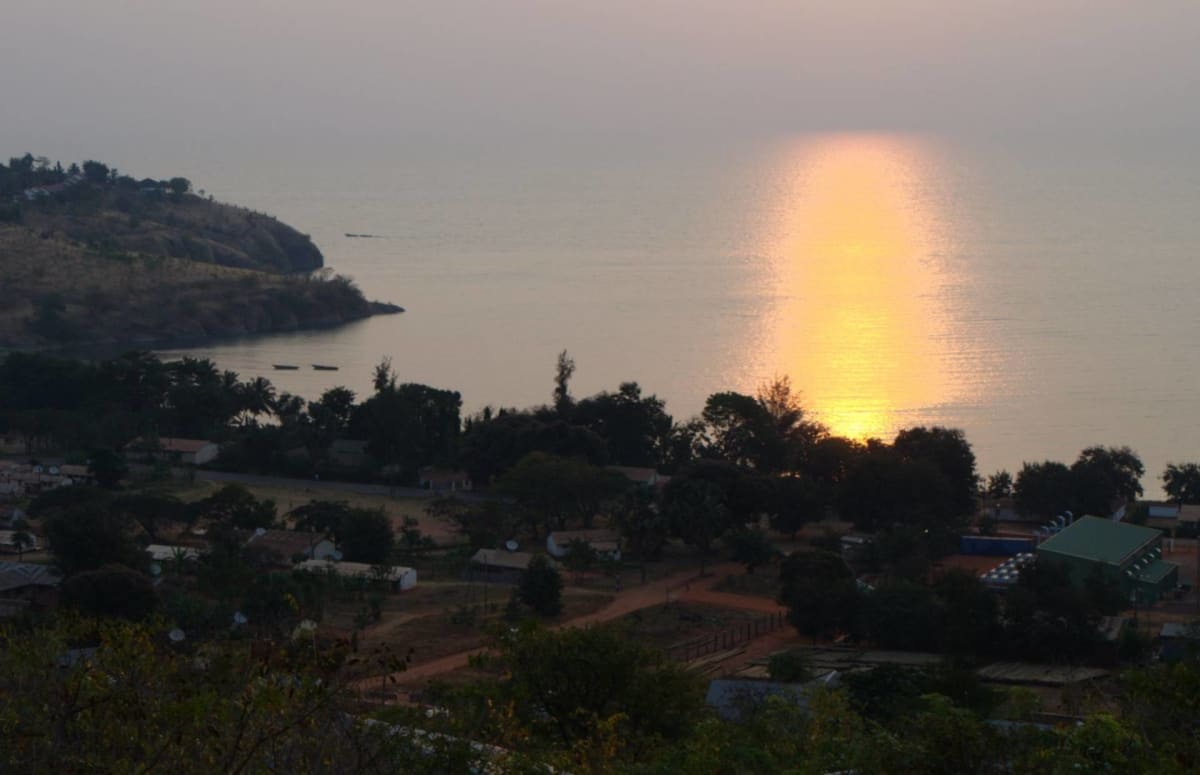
{"type": "Point", "coordinates": [727, 638]}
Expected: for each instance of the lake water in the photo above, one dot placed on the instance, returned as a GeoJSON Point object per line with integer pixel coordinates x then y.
{"type": "Point", "coordinates": [1041, 296]}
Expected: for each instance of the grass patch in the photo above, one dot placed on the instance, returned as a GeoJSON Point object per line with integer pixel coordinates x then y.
{"type": "Point", "coordinates": [764, 583]}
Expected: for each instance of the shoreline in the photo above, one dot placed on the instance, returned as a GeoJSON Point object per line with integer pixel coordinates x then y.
{"type": "Point", "coordinates": [114, 348]}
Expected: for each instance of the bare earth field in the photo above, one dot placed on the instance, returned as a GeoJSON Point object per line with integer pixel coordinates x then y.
{"type": "Point", "coordinates": [286, 499]}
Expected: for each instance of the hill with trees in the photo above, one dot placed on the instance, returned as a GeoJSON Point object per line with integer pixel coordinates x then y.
{"type": "Point", "coordinates": [90, 256]}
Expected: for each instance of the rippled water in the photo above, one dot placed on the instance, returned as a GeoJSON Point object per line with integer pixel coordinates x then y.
{"type": "Point", "coordinates": [1041, 297]}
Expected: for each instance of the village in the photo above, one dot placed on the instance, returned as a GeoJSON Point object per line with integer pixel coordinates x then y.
{"type": "Point", "coordinates": [435, 595]}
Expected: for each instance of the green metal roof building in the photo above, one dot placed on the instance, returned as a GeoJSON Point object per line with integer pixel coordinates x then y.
{"type": "Point", "coordinates": [1129, 555]}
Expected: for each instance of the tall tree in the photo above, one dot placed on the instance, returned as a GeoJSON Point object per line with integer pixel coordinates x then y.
{"type": "Point", "coordinates": [794, 433]}
{"type": "Point", "coordinates": [642, 523]}
{"type": "Point", "coordinates": [86, 536]}
{"type": "Point", "coordinates": [563, 371]}
{"type": "Point", "coordinates": [107, 466]}
{"type": "Point", "coordinates": [636, 429]}
{"type": "Point", "coordinates": [820, 592]}
{"type": "Point", "coordinates": [1044, 489]}
{"type": "Point", "coordinates": [885, 490]}
{"type": "Point", "coordinates": [409, 426]}
{"type": "Point", "coordinates": [494, 443]}
{"type": "Point", "coordinates": [365, 535]}
{"type": "Point", "coordinates": [1181, 481]}
{"type": "Point", "coordinates": [1105, 477]}
{"type": "Point", "coordinates": [697, 514]}
{"type": "Point", "coordinates": [540, 587]}
{"type": "Point", "coordinates": [999, 485]}
{"type": "Point", "coordinates": [234, 505]}
{"type": "Point", "coordinates": [948, 450]}
{"type": "Point", "coordinates": [751, 547]}
{"type": "Point", "coordinates": [798, 502]}
{"type": "Point", "coordinates": [556, 492]}
{"type": "Point", "coordinates": [737, 427]}
{"type": "Point", "coordinates": [111, 591]}
{"type": "Point", "coordinates": [331, 413]}
{"type": "Point", "coordinates": [768, 432]}
{"type": "Point", "coordinates": [971, 624]}
{"type": "Point", "coordinates": [901, 615]}
{"type": "Point", "coordinates": [95, 172]}
{"type": "Point", "coordinates": [23, 541]}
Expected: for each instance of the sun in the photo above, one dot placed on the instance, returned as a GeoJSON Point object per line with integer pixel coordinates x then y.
{"type": "Point", "coordinates": [857, 324]}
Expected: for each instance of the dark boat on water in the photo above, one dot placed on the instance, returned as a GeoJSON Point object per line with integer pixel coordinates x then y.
{"type": "Point", "coordinates": [319, 367]}
{"type": "Point", "coordinates": [284, 367]}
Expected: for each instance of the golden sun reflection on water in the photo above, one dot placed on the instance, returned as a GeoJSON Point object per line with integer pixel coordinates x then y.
{"type": "Point", "coordinates": [857, 324]}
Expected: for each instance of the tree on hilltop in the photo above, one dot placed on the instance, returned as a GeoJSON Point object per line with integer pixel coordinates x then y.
{"type": "Point", "coordinates": [179, 186]}
{"type": "Point", "coordinates": [95, 172]}
{"type": "Point", "coordinates": [563, 371]}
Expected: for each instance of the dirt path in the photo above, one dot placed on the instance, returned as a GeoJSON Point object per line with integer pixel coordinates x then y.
{"type": "Point", "coordinates": [704, 593]}
{"type": "Point", "coordinates": [683, 586]}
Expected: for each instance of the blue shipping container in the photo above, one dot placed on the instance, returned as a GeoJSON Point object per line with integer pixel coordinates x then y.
{"type": "Point", "coordinates": [994, 546]}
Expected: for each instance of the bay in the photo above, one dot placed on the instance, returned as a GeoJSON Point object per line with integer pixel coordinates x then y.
{"type": "Point", "coordinates": [1039, 295]}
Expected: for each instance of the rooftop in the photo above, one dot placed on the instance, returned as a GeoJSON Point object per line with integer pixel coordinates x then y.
{"type": "Point", "coordinates": [184, 446]}
{"type": "Point", "coordinates": [14, 575]}
{"type": "Point", "coordinates": [1180, 630]}
{"type": "Point", "coordinates": [1157, 571]}
{"type": "Point", "coordinates": [1101, 540]}
{"type": "Point", "coordinates": [499, 558]}
{"type": "Point", "coordinates": [287, 543]}
{"type": "Point", "coordinates": [597, 535]}
{"type": "Point", "coordinates": [356, 569]}
{"type": "Point", "coordinates": [164, 552]}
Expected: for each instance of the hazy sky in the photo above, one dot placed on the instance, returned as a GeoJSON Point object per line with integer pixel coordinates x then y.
{"type": "Point", "coordinates": [95, 73]}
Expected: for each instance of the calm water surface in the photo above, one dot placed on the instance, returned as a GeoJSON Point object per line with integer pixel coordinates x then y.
{"type": "Point", "coordinates": [1042, 298]}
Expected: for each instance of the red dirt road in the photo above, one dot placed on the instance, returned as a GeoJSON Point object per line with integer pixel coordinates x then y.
{"type": "Point", "coordinates": [683, 586]}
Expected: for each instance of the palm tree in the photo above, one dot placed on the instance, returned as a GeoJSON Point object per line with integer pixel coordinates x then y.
{"type": "Point", "coordinates": [288, 407]}
{"type": "Point", "coordinates": [179, 557]}
{"type": "Point", "coordinates": [256, 397]}
{"type": "Point", "coordinates": [23, 540]}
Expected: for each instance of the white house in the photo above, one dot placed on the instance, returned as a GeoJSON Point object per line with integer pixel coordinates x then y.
{"type": "Point", "coordinates": [188, 452]}
{"type": "Point", "coordinates": [286, 545]}
{"type": "Point", "coordinates": [443, 479]}
{"type": "Point", "coordinates": [604, 543]}
{"type": "Point", "coordinates": [8, 544]}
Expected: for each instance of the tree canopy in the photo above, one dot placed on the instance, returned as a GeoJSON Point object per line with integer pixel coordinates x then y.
{"type": "Point", "coordinates": [540, 587]}
{"type": "Point", "coordinates": [1181, 482]}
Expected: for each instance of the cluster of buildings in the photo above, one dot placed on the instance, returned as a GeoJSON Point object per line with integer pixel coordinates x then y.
{"type": "Point", "coordinates": [19, 480]}
{"type": "Point", "coordinates": [43, 192]}
{"type": "Point", "coordinates": [1090, 549]}
{"type": "Point", "coordinates": [297, 550]}
{"type": "Point", "coordinates": [1130, 556]}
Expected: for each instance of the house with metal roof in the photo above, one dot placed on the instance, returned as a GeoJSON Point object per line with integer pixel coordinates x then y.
{"type": "Point", "coordinates": [604, 543]}
{"type": "Point", "coordinates": [1168, 515]}
{"type": "Point", "coordinates": [23, 584]}
{"type": "Point", "coordinates": [188, 452]}
{"type": "Point", "coordinates": [1178, 641]}
{"type": "Point", "coordinates": [1128, 555]}
{"type": "Point", "coordinates": [399, 577]}
{"type": "Point", "coordinates": [283, 547]}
